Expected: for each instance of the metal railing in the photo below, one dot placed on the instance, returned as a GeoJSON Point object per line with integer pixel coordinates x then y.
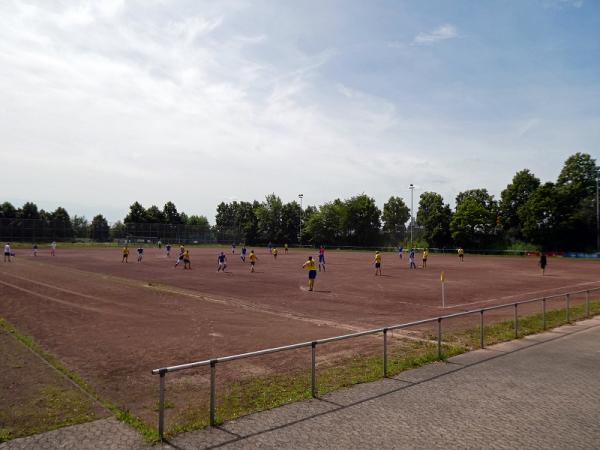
{"type": "Point", "coordinates": [162, 372]}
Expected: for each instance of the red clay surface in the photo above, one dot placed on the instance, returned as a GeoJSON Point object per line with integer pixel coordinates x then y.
{"type": "Point", "coordinates": [113, 322]}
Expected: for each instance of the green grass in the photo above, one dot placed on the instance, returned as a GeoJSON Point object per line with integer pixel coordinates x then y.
{"type": "Point", "coordinates": [149, 433]}
{"type": "Point", "coordinates": [47, 408]}
{"type": "Point", "coordinates": [263, 393]}
{"type": "Point", "coordinates": [503, 331]}
{"type": "Point", "coordinates": [241, 398]}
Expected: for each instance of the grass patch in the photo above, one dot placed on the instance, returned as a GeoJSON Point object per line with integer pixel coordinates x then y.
{"type": "Point", "coordinates": [241, 398]}
{"type": "Point", "coordinates": [258, 394]}
{"type": "Point", "coordinates": [504, 330]}
{"type": "Point", "coordinates": [47, 408]}
{"type": "Point", "coordinates": [149, 433]}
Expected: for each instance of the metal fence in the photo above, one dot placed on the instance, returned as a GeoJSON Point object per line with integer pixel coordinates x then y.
{"type": "Point", "coordinates": [162, 372]}
{"type": "Point", "coordinates": [35, 230]}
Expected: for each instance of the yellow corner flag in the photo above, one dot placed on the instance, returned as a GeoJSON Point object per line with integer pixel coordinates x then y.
{"type": "Point", "coordinates": [442, 277]}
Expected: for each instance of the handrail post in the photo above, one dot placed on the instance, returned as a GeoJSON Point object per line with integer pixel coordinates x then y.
{"type": "Point", "coordinates": [213, 391]}
{"type": "Point", "coordinates": [313, 372]}
{"type": "Point", "coordinates": [385, 353]}
{"type": "Point", "coordinates": [439, 336]}
{"type": "Point", "coordinates": [544, 313]}
{"type": "Point", "coordinates": [568, 301]}
{"type": "Point", "coordinates": [587, 304]}
{"type": "Point", "coordinates": [481, 335]}
{"type": "Point", "coordinates": [516, 321]}
{"type": "Point", "coordinates": [161, 404]}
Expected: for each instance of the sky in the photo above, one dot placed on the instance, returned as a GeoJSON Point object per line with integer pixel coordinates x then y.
{"type": "Point", "coordinates": [103, 103]}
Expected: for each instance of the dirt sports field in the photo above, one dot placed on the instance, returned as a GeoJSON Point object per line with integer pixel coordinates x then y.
{"type": "Point", "coordinates": [112, 322]}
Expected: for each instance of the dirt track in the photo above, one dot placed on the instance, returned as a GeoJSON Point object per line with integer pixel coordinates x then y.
{"type": "Point", "coordinates": [113, 322]}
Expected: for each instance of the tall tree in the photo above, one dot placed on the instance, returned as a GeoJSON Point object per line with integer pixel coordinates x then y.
{"type": "Point", "coordinates": [516, 194]}
{"type": "Point", "coordinates": [543, 217]}
{"type": "Point", "coordinates": [577, 182]}
{"type": "Point", "coordinates": [434, 218]}
{"type": "Point", "coordinates": [327, 226]}
{"type": "Point", "coordinates": [62, 223]}
{"type": "Point", "coordinates": [118, 230]}
{"type": "Point", "coordinates": [578, 177]}
{"type": "Point", "coordinates": [155, 215]}
{"type": "Point", "coordinates": [80, 227]}
{"type": "Point", "coordinates": [475, 220]}
{"type": "Point", "coordinates": [28, 211]}
{"type": "Point", "coordinates": [170, 213]}
{"type": "Point", "coordinates": [8, 211]}
{"type": "Point", "coordinates": [395, 215]}
{"type": "Point", "coordinates": [199, 221]}
{"type": "Point", "coordinates": [269, 218]}
{"type": "Point", "coordinates": [363, 220]}
{"type": "Point", "coordinates": [99, 229]}
{"type": "Point", "coordinates": [247, 222]}
{"type": "Point", "coordinates": [137, 214]}
{"type": "Point", "coordinates": [291, 215]}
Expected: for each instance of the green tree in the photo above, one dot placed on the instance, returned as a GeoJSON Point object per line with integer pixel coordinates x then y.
{"type": "Point", "coordinates": [99, 229]}
{"type": "Point", "coordinates": [269, 219]}
{"type": "Point", "coordinates": [247, 222]}
{"type": "Point", "coordinates": [326, 226]}
{"type": "Point", "coordinates": [155, 215]}
{"type": "Point", "coordinates": [80, 227]}
{"type": "Point", "coordinates": [395, 215]}
{"type": "Point", "coordinates": [434, 218]}
{"type": "Point", "coordinates": [475, 220]}
{"type": "Point", "coordinates": [577, 183]}
{"type": "Point", "coordinates": [363, 220]}
{"type": "Point", "coordinates": [118, 230]}
{"type": "Point", "coordinates": [8, 211]}
{"type": "Point", "coordinates": [170, 213]}
{"type": "Point", "coordinates": [137, 214]}
{"type": "Point", "coordinates": [291, 214]}
{"type": "Point", "coordinates": [62, 223]}
{"type": "Point", "coordinates": [199, 221]}
{"type": "Point", "coordinates": [28, 211]}
{"type": "Point", "coordinates": [543, 217]}
{"type": "Point", "coordinates": [516, 194]}
{"type": "Point", "coordinates": [578, 177]}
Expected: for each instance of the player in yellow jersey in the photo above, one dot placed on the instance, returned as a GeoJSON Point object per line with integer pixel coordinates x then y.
{"type": "Point", "coordinates": [252, 257]}
{"type": "Point", "coordinates": [311, 266]}
{"type": "Point", "coordinates": [125, 254]}
{"type": "Point", "coordinates": [461, 254]}
{"type": "Point", "coordinates": [285, 249]}
{"type": "Point", "coordinates": [187, 263]}
{"type": "Point", "coordinates": [425, 255]}
{"type": "Point", "coordinates": [377, 263]}
{"type": "Point", "coordinates": [275, 251]}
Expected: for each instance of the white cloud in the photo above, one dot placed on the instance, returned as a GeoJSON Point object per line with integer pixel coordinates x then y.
{"type": "Point", "coordinates": [561, 4]}
{"type": "Point", "coordinates": [442, 33]}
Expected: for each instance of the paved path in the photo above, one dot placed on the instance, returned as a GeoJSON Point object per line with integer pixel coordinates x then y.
{"type": "Point", "coordinates": [542, 392]}
{"type": "Point", "coordinates": [109, 434]}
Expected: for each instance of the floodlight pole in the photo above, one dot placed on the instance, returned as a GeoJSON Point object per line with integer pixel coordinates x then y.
{"type": "Point", "coordinates": [412, 190]}
{"type": "Point", "coordinates": [300, 196]}
{"type": "Point", "coordinates": [597, 210]}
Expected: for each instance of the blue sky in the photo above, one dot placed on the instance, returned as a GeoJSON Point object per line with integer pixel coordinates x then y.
{"type": "Point", "coordinates": [106, 103]}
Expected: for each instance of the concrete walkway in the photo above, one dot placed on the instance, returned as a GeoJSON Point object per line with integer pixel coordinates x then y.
{"type": "Point", "coordinates": [542, 391]}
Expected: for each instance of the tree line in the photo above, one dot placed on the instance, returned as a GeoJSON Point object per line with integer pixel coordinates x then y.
{"type": "Point", "coordinates": [558, 215]}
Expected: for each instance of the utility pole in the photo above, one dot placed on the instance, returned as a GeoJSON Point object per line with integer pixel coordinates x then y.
{"type": "Point", "coordinates": [412, 190]}
{"type": "Point", "coordinates": [300, 196]}
{"type": "Point", "coordinates": [597, 209]}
